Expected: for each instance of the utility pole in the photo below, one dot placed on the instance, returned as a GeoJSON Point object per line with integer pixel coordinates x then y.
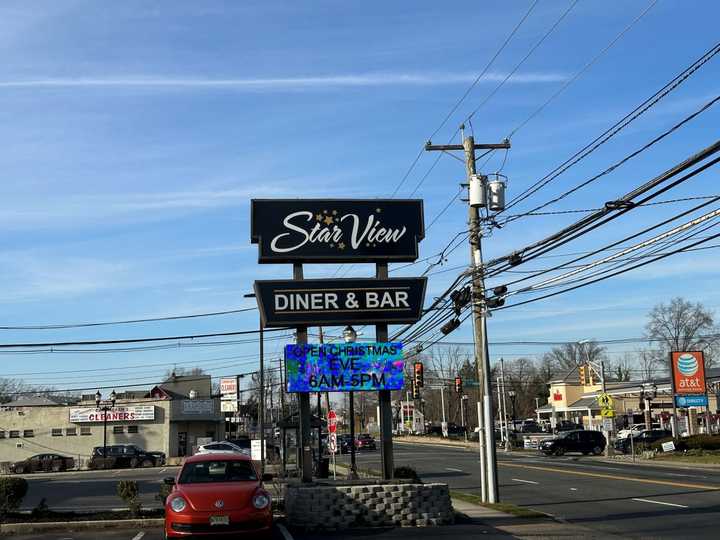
{"type": "Point", "coordinates": [508, 447]}
{"type": "Point", "coordinates": [482, 357]}
{"type": "Point", "coordinates": [604, 390]}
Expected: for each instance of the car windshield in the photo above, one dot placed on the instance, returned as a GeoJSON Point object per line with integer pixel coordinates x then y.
{"type": "Point", "coordinates": [204, 472]}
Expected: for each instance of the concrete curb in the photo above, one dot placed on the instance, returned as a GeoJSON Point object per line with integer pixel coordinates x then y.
{"type": "Point", "coordinates": [25, 528]}
{"type": "Point", "coordinates": [708, 467]}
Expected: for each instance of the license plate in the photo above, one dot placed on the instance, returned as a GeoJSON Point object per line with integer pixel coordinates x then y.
{"type": "Point", "coordinates": [219, 520]}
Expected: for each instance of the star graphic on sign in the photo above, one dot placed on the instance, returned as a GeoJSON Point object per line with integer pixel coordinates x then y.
{"type": "Point", "coordinates": [378, 210]}
{"type": "Point", "coordinates": [332, 245]}
{"type": "Point", "coordinates": [318, 217]}
{"type": "Point", "coordinates": [367, 244]}
{"type": "Point", "coordinates": [325, 211]}
{"type": "Point", "coordinates": [335, 212]}
{"type": "Point", "coordinates": [328, 220]}
{"type": "Point", "coordinates": [341, 245]}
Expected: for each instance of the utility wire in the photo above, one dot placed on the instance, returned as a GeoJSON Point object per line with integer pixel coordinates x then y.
{"type": "Point", "coordinates": [627, 158]}
{"type": "Point", "coordinates": [130, 321]}
{"type": "Point", "coordinates": [621, 124]}
{"type": "Point", "coordinates": [583, 70]}
{"type": "Point", "coordinates": [524, 59]}
{"type": "Point", "coordinates": [134, 340]}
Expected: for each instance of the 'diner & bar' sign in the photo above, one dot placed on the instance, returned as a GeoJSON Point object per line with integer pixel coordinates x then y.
{"type": "Point", "coordinates": [340, 301]}
{"type": "Point", "coordinates": [341, 230]}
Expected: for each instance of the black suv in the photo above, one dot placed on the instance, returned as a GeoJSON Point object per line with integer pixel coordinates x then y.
{"type": "Point", "coordinates": [124, 455]}
{"type": "Point", "coordinates": [586, 442]}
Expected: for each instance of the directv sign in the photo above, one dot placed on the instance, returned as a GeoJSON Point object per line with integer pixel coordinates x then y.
{"type": "Point", "coordinates": [336, 231]}
{"type": "Point", "coordinates": [335, 302]}
{"type": "Point", "coordinates": [344, 367]}
{"type": "Point", "coordinates": [691, 401]}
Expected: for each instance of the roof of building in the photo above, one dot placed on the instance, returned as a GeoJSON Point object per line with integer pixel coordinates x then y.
{"type": "Point", "coordinates": [33, 401]}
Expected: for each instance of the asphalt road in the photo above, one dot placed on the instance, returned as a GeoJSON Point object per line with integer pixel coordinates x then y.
{"type": "Point", "coordinates": [92, 490]}
{"type": "Point", "coordinates": [609, 498]}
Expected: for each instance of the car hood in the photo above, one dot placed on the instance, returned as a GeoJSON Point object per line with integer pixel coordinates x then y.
{"type": "Point", "coordinates": [234, 495]}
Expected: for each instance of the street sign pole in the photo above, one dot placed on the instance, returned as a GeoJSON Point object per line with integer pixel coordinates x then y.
{"type": "Point", "coordinates": [386, 443]}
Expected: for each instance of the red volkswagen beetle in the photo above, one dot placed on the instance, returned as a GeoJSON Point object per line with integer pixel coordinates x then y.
{"type": "Point", "coordinates": [218, 494]}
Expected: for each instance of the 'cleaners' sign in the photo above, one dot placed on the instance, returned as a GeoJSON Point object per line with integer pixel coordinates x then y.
{"type": "Point", "coordinates": [688, 369]}
{"type": "Point", "coordinates": [116, 414]}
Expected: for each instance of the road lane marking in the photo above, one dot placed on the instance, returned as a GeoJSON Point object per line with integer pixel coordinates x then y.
{"type": "Point", "coordinates": [138, 536]}
{"type": "Point", "coordinates": [525, 481]}
{"type": "Point", "coordinates": [285, 533]}
{"type": "Point", "coordinates": [163, 469]}
{"type": "Point", "coordinates": [660, 502]}
{"type": "Point", "coordinates": [573, 489]}
{"type": "Point", "coordinates": [451, 469]}
{"type": "Point", "coordinates": [613, 477]}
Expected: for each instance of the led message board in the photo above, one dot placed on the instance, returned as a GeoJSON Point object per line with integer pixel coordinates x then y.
{"type": "Point", "coordinates": [344, 367]}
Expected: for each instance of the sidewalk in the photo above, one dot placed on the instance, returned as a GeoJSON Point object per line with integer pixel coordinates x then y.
{"type": "Point", "coordinates": [525, 528]}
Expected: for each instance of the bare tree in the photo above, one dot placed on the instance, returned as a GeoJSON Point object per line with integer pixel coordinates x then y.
{"type": "Point", "coordinates": [622, 367]}
{"type": "Point", "coordinates": [682, 326]}
{"type": "Point", "coordinates": [570, 355]}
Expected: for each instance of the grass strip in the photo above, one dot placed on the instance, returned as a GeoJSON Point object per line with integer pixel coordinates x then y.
{"type": "Point", "coordinates": [517, 511]}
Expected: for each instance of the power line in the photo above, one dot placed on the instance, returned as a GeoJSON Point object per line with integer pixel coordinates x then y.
{"type": "Point", "coordinates": [627, 158]}
{"type": "Point", "coordinates": [612, 274]}
{"type": "Point", "coordinates": [619, 207]}
{"type": "Point", "coordinates": [583, 70]}
{"type": "Point", "coordinates": [524, 59]}
{"type": "Point", "coordinates": [130, 321]}
{"type": "Point", "coordinates": [462, 99]}
{"type": "Point", "coordinates": [134, 340]}
{"type": "Point", "coordinates": [621, 124]}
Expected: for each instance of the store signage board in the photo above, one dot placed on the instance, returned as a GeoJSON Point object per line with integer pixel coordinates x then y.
{"type": "Point", "coordinates": [691, 401]}
{"type": "Point", "coordinates": [688, 371]}
{"type": "Point", "coordinates": [336, 230]}
{"type": "Point", "coordinates": [343, 367]}
{"type": "Point", "coordinates": [83, 415]}
{"type": "Point", "coordinates": [336, 302]}
{"type": "Point", "coordinates": [228, 388]}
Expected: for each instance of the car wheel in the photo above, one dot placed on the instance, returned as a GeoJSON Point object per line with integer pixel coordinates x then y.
{"type": "Point", "coordinates": [146, 463]}
{"type": "Point", "coordinates": [19, 470]}
{"type": "Point", "coordinates": [597, 451]}
{"type": "Point", "coordinates": [133, 463]}
{"type": "Point", "coordinates": [559, 451]}
{"type": "Point", "coordinates": [56, 467]}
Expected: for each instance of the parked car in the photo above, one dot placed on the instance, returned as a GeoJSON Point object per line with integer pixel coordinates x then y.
{"type": "Point", "coordinates": [124, 455]}
{"type": "Point", "coordinates": [344, 443]}
{"type": "Point", "coordinates": [642, 440]}
{"type": "Point", "coordinates": [44, 463]}
{"type": "Point", "coordinates": [221, 447]}
{"type": "Point", "coordinates": [365, 441]}
{"type": "Point", "coordinates": [218, 494]}
{"type": "Point", "coordinates": [585, 442]}
{"type": "Point", "coordinates": [273, 450]}
{"type": "Point", "coordinates": [635, 430]}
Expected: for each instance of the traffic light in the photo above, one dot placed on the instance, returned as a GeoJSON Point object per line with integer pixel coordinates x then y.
{"type": "Point", "coordinates": [582, 375]}
{"type": "Point", "coordinates": [415, 391]}
{"type": "Point", "coordinates": [458, 385]}
{"type": "Point", "coordinates": [419, 380]}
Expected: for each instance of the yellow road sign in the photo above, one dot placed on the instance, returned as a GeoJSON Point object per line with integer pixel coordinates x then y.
{"type": "Point", "coordinates": [607, 413]}
{"type": "Point", "coordinates": [605, 401]}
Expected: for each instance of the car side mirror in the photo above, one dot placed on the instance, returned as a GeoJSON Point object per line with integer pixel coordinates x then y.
{"type": "Point", "coordinates": [267, 477]}
{"type": "Point", "coordinates": [169, 481]}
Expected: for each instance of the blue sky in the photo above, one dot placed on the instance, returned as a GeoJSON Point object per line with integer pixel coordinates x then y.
{"type": "Point", "coordinates": [135, 133]}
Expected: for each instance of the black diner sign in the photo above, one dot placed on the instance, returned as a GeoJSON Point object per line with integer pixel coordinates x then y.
{"type": "Point", "coordinates": [336, 302]}
{"type": "Point", "coordinates": [336, 230]}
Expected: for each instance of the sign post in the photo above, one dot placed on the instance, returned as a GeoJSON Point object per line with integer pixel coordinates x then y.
{"type": "Point", "coordinates": [332, 438]}
{"type": "Point", "coordinates": [340, 231]}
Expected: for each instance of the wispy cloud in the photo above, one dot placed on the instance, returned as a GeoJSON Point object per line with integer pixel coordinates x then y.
{"type": "Point", "coordinates": [282, 83]}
